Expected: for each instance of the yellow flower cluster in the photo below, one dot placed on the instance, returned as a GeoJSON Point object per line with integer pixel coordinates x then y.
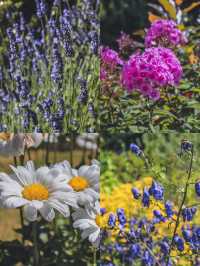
{"type": "Point", "coordinates": [121, 197]}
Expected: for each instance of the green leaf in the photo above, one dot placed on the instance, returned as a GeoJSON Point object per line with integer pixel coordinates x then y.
{"type": "Point", "coordinates": [171, 10]}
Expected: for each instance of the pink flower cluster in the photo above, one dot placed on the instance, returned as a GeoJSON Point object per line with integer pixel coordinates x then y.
{"type": "Point", "coordinates": [109, 57]}
{"type": "Point", "coordinates": [147, 72]}
{"type": "Point", "coordinates": [164, 33]}
{"type": "Point", "coordinates": [109, 61]}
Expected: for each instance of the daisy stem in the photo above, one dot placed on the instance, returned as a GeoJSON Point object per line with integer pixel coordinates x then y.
{"type": "Point", "coordinates": [47, 152]}
{"type": "Point", "coordinates": [71, 149]}
{"type": "Point", "coordinates": [20, 209]}
{"type": "Point", "coordinates": [22, 223]}
{"type": "Point", "coordinates": [35, 245]}
{"type": "Point", "coordinates": [94, 257]}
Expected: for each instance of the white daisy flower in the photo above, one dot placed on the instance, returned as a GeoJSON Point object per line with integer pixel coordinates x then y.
{"type": "Point", "coordinates": [88, 221]}
{"type": "Point", "coordinates": [40, 190]}
{"type": "Point", "coordinates": [14, 144]}
{"type": "Point", "coordinates": [84, 181]}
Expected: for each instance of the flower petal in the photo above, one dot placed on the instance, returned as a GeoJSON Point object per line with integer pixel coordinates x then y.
{"type": "Point", "coordinates": [62, 208]}
{"type": "Point", "coordinates": [22, 175]}
{"type": "Point", "coordinates": [13, 202]}
{"type": "Point", "coordinates": [47, 212]}
{"type": "Point", "coordinates": [30, 212]}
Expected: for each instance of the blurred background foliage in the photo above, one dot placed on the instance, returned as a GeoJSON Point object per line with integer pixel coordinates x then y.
{"type": "Point", "coordinates": [133, 15]}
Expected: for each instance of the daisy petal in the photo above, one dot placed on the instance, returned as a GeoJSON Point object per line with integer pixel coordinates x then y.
{"type": "Point", "coordinates": [60, 207]}
{"type": "Point", "coordinates": [22, 175]}
{"type": "Point", "coordinates": [47, 212]}
{"type": "Point", "coordinates": [30, 212]}
{"type": "Point", "coordinates": [14, 202]}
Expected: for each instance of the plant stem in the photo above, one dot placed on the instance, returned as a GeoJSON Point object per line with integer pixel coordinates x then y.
{"type": "Point", "coordinates": [22, 223]}
{"type": "Point", "coordinates": [35, 245]}
{"type": "Point", "coordinates": [47, 151]}
{"type": "Point", "coordinates": [94, 257]}
{"type": "Point", "coordinates": [182, 203]}
{"type": "Point", "coordinates": [20, 209]}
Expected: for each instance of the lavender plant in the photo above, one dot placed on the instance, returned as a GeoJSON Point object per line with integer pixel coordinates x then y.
{"type": "Point", "coordinates": [49, 73]}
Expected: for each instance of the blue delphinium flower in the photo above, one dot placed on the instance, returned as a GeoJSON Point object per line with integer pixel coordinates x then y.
{"type": "Point", "coordinates": [112, 220]}
{"type": "Point", "coordinates": [186, 146]}
{"type": "Point", "coordinates": [136, 193]}
{"type": "Point", "coordinates": [168, 209]}
{"type": "Point", "coordinates": [147, 258]}
{"type": "Point", "coordinates": [179, 243]}
{"type": "Point", "coordinates": [187, 234]}
{"type": "Point", "coordinates": [164, 247]}
{"type": "Point", "coordinates": [146, 198]}
{"type": "Point", "coordinates": [134, 251]}
{"type": "Point", "coordinates": [197, 188]}
{"type": "Point", "coordinates": [188, 213]}
{"type": "Point", "coordinates": [159, 216]}
{"type": "Point", "coordinates": [102, 211]}
{"type": "Point", "coordinates": [121, 216]}
{"type": "Point", "coordinates": [135, 149]}
{"type": "Point", "coordinates": [157, 191]}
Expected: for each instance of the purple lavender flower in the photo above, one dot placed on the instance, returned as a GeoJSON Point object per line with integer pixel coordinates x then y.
{"type": "Point", "coordinates": [164, 32]}
{"type": "Point", "coordinates": [83, 96]}
{"type": "Point", "coordinates": [57, 64]}
{"type": "Point", "coordinates": [94, 41]}
{"type": "Point", "coordinates": [41, 8]}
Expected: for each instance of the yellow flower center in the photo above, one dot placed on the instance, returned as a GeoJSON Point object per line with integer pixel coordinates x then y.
{"type": "Point", "coordinates": [5, 136]}
{"type": "Point", "coordinates": [35, 192]}
{"type": "Point", "coordinates": [98, 220]}
{"type": "Point", "coordinates": [79, 183]}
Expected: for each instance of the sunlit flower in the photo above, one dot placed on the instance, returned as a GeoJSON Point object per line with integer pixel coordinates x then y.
{"type": "Point", "coordinates": [84, 181]}
{"type": "Point", "coordinates": [164, 32]}
{"type": "Point", "coordinates": [14, 144]}
{"type": "Point", "coordinates": [88, 220]}
{"type": "Point", "coordinates": [151, 71]}
{"type": "Point", "coordinates": [40, 190]}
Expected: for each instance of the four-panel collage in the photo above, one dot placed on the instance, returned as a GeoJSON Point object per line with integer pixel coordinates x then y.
{"type": "Point", "coordinates": [99, 133]}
